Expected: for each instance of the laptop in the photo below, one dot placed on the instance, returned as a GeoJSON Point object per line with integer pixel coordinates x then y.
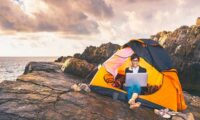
{"type": "Point", "coordinates": [132, 78]}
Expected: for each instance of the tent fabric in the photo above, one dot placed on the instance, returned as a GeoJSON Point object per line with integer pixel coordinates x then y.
{"type": "Point", "coordinates": [99, 81]}
{"type": "Point", "coordinates": [126, 52]}
{"type": "Point", "coordinates": [154, 76]}
{"type": "Point", "coordinates": [114, 62]}
{"type": "Point", "coordinates": [170, 94]}
{"type": "Point", "coordinates": [152, 52]}
{"type": "Point", "coordinates": [161, 59]}
{"type": "Point", "coordinates": [160, 73]}
{"type": "Point", "coordinates": [144, 41]}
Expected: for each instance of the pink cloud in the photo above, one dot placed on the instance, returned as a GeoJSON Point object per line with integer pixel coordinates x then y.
{"type": "Point", "coordinates": [70, 17]}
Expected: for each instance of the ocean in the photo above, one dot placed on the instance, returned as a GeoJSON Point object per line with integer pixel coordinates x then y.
{"type": "Point", "coordinates": [12, 67]}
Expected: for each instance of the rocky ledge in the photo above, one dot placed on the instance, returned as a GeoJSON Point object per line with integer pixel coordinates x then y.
{"type": "Point", "coordinates": [44, 93]}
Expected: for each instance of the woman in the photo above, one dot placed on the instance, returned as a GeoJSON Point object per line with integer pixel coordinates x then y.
{"type": "Point", "coordinates": [135, 90]}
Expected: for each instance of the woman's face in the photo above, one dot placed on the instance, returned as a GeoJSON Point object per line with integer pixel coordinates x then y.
{"type": "Point", "coordinates": [135, 62]}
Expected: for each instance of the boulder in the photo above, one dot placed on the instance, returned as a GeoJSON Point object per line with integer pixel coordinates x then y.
{"type": "Point", "coordinates": [97, 55]}
{"type": "Point", "coordinates": [62, 59]}
{"type": "Point", "coordinates": [42, 66]}
{"type": "Point", "coordinates": [78, 67]}
{"type": "Point", "coordinates": [85, 65]}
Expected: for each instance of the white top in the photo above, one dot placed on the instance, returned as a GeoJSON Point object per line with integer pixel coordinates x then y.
{"type": "Point", "coordinates": [134, 69]}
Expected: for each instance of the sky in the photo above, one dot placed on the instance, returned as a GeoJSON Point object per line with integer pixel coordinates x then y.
{"type": "Point", "coordinates": [65, 27]}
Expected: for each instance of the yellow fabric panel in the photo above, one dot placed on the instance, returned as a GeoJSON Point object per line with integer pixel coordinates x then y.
{"type": "Point", "coordinates": [154, 76]}
{"type": "Point", "coordinates": [98, 80]}
{"type": "Point", "coordinates": [175, 81]}
{"type": "Point", "coordinates": [166, 96]}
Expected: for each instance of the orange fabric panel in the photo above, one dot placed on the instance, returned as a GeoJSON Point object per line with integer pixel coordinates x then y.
{"type": "Point", "coordinates": [175, 81]}
{"type": "Point", "coordinates": [154, 76]}
{"type": "Point", "coordinates": [166, 96]}
{"type": "Point", "coordinates": [170, 94]}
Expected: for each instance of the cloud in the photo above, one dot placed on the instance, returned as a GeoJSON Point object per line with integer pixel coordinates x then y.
{"type": "Point", "coordinates": [64, 27]}
{"type": "Point", "coordinates": [149, 17]}
{"type": "Point", "coordinates": [70, 17]}
{"type": "Point", "coordinates": [97, 8]}
{"type": "Point", "coordinates": [13, 18]}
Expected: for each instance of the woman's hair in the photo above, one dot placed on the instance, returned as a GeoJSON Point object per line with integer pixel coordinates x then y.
{"type": "Point", "coordinates": [135, 56]}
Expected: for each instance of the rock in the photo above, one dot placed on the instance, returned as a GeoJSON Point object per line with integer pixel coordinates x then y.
{"type": "Point", "coordinates": [97, 55]}
{"type": "Point", "coordinates": [33, 95]}
{"type": "Point", "coordinates": [85, 65]}
{"type": "Point", "coordinates": [161, 36]}
{"type": "Point", "coordinates": [62, 59]}
{"type": "Point", "coordinates": [44, 95]}
{"type": "Point", "coordinates": [78, 67]}
{"type": "Point", "coordinates": [42, 66]}
{"type": "Point", "coordinates": [198, 21]}
{"type": "Point", "coordinates": [183, 45]}
{"type": "Point", "coordinates": [177, 118]}
{"type": "Point", "coordinates": [181, 116]}
{"type": "Point", "coordinates": [77, 55]}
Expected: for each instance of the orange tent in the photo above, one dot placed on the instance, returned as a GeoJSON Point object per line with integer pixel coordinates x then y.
{"type": "Point", "coordinates": [160, 73]}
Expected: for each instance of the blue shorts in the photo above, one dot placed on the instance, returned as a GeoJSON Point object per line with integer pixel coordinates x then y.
{"type": "Point", "coordinates": [135, 88]}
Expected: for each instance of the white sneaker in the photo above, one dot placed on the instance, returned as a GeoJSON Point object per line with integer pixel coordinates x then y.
{"type": "Point", "coordinates": [163, 113]}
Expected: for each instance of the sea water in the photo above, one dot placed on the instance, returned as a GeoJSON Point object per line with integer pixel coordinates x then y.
{"type": "Point", "coordinates": [12, 67]}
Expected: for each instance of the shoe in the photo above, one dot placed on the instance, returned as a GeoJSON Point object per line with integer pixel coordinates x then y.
{"type": "Point", "coordinates": [163, 113]}
{"type": "Point", "coordinates": [76, 88]}
{"type": "Point", "coordinates": [84, 87]}
{"type": "Point", "coordinates": [172, 113]}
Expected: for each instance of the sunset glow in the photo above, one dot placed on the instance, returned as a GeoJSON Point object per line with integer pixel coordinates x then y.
{"type": "Point", "coordinates": [60, 27]}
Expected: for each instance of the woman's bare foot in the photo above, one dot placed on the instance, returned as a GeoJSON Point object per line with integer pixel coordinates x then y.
{"type": "Point", "coordinates": [135, 105]}
{"type": "Point", "coordinates": [133, 98]}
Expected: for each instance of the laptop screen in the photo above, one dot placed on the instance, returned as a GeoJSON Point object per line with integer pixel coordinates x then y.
{"type": "Point", "coordinates": [136, 78]}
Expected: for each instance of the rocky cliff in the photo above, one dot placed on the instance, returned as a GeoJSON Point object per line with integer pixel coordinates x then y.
{"type": "Point", "coordinates": [97, 55]}
{"type": "Point", "coordinates": [183, 45]}
{"type": "Point", "coordinates": [85, 65]}
{"type": "Point", "coordinates": [43, 93]}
